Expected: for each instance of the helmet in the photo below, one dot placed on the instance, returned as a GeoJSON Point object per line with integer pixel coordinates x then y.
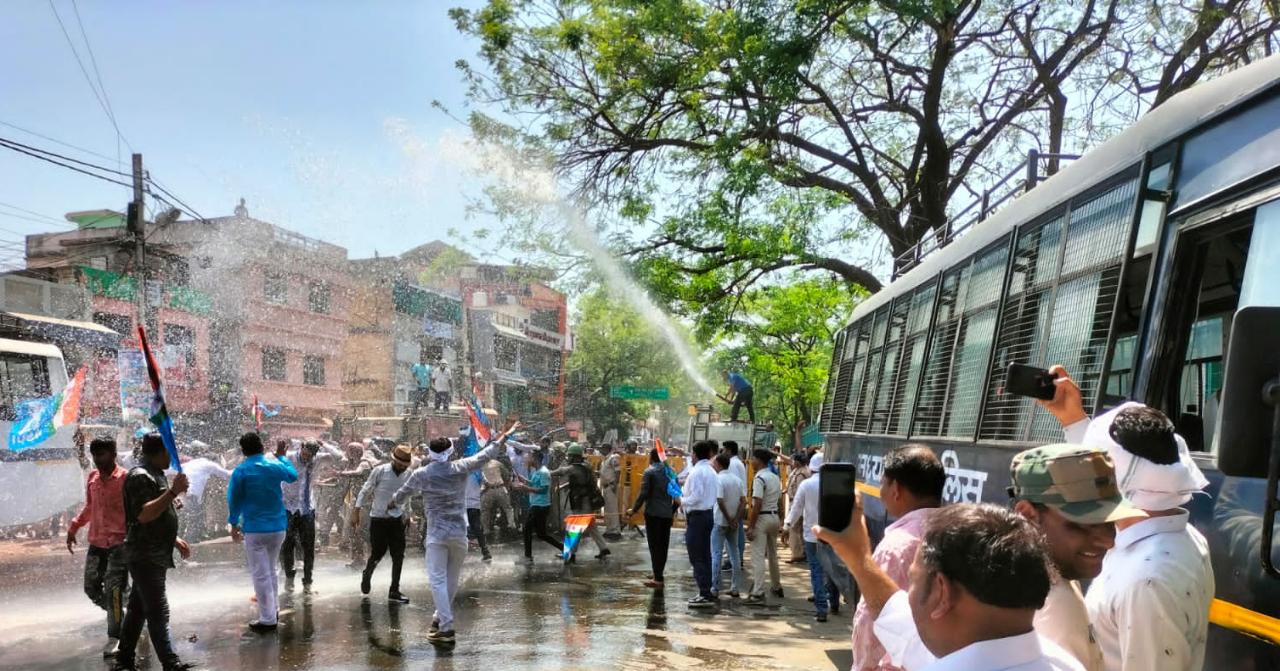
{"type": "Point", "coordinates": [575, 450]}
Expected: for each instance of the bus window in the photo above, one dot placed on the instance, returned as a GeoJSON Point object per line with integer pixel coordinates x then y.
{"type": "Point", "coordinates": [22, 378]}
{"type": "Point", "coordinates": [1204, 294]}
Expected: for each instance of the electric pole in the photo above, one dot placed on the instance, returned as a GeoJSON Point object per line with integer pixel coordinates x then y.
{"type": "Point", "coordinates": [137, 228]}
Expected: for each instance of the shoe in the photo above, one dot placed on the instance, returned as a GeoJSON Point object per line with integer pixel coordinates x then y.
{"type": "Point", "coordinates": [261, 628]}
{"type": "Point", "coordinates": [778, 592]}
{"type": "Point", "coordinates": [445, 638]}
{"type": "Point", "coordinates": [835, 607]}
{"type": "Point", "coordinates": [109, 650]}
{"type": "Point", "coordinates": [701, 602]}
{"type": "Point", "coordinates": [397, 597]}
{"type": "Point", "coordinates": [603, 553]}
{"type": "Point", "coordinates": [306, 582]}
{"type": "Point", "coordinates": [820, 617]}
{"type": "Point", "coordinates": [435, 627]}
{"type": "Point", "coordinates": [801, 560]}
{"type": "Point", "coordinates": [734, 594]}
{"type": "Point", "coordinates": [754, 600]}
{"type": "Point", "coordinates": [613, 536]}
{"type": "Point", "coordinates": [527, 561]}
{"type": "Point", "coordinates": [809, 598]}
{"type": "Point", "coordinates": [486, 558]}
{"type": "Point", "coordinates": [288, 575]}
{"type": "Point", "coordinates": [726, 568]}
{"type": "Point", "coordinates": [653, 584]}
{"type": "Point", "coordinates": [123, 666]}
{"type": "Point", "coordinates": [364, 582]}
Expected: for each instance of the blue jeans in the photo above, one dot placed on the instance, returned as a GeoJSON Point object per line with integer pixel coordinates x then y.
{"type": "Point", "coordinates": [836, 573]}
{"type": "Point", "coordinates": [697, 540]}
{"type": "Point", "coordinates": [721, 539]}
{"type": "Point", "coordinates": [817, 578]}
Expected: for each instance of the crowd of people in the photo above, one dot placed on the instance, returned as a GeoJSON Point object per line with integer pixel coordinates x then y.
{"type": "Point", "coordinates": [959, 586]}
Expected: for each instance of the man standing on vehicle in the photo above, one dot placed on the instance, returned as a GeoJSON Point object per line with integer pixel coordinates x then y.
{"type": "Point", "coordinates": [1150, 604]}
{"type": "Point", "coordinates": [422, 380]}
{"type": "Point", "coordinates": [740, 394]}
{"type": "Point", "coordinates": [763, 526]}
{"type": "Point", "coordinates": [105, 576]}
{"type": "Point", "coordinates": [151, 536]}
{"type": "Point", "coordinates": [442, 383]}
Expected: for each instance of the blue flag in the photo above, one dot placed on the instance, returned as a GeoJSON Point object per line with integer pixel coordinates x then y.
{"type": "Point", "coordinates": [159, 412]}
{"type": "Point", "coordinates": [33, 424]}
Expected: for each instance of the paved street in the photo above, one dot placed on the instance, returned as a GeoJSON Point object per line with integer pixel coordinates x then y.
{"type": "Point", "coordinates": [592, 615]}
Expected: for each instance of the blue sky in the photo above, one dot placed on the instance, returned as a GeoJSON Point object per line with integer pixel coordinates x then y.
{"type": "Point", "coordinates": [318, 113]}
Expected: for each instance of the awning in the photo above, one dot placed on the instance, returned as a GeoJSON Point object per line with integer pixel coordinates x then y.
{"type": "Point", "coordinates": [62, 331]}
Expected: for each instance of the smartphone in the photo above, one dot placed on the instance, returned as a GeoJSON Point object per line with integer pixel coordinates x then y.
{"type": "Point", "coordinates": [835, 494]}
{"type": "Point", "coordinates": [1023, 380]}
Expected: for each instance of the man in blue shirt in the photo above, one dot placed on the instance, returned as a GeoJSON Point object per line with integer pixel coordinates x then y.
{"type": "Point", "coordinates": [257, 516]}
{"type": "Point", "coordinates": [539, 488]}
{"type": "Point", "coordinates": [422, 377]}
{"type": "Point", "coordinates": [740, 394]}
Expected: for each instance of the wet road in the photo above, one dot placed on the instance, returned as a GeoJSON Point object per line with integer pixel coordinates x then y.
{"type": "Point", "coordinates": [587, 616]}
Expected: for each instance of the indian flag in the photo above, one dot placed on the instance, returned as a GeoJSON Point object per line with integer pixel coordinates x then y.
{"type": "Point", "coordinates": [574, 527]}
{"type": "Point", "coordinates": [159, 412]}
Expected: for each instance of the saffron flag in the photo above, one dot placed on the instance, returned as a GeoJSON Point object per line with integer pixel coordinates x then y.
{"type": "Point", "coordinates": [69, 411]}
{"type": "Point", "coordinates": [673, 484]}
{"type": "Point", "coordinates": [574, 527]}
{"type": "Point", "coordinates": [159, 412]}
{"type": "Point", "coordinates": [257, 414]}
{"type": "Point", "coordinates": [38, 419]}
{"type": "Point", "coordinates": [662, 451]}
{"type": "Point", "coordinates": [479, 421]}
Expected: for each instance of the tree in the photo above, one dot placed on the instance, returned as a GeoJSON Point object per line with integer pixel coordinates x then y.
{"type": "Point", "coordinates": [729, 141]}
{"type": "Point", "coordinates": [615, 346]}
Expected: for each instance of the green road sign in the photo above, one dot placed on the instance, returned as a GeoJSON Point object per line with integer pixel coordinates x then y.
{"type": "Point", "coordinates": [630, 392]}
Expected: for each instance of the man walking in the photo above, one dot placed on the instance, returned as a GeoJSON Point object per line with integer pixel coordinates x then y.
{"type": "Point", "coordinates": [805, 505]}
{"type": "Point", "coordinates": [699, 501]}
{"type": "Point", "coordinates": [255, 505]}
{"type": "Point", "coordinates": [763, 526]}
{"type": "Point", "coordinates": [583, 494]}
{"type": "Point", "coordinates": [386, 521]}
{"type": "Point", "coordinates": [659, 513]}
{"type": "Point", "coordinates": [351, 474]}
{"type": "Point", "coordinates": [495, 497]}
{"type": "Point", "coordinates": [105, 576]}
{"type": "Point", "coordinates": [300, 505]}
{"type": "Point", "coordinates": [442, 383]}
{"type": "Point", "coordinates": [740, 394]}
{"type": "Point", "coordinates": [441, 482]}
{"type": "Point", "coordinates": [151, 536]}
{"type": "Point", "coordinates": [539, 490]}
{"type": "Point", "coordinates": [610, 473]}
{"type": "Point", "coordinates": [731, 503]}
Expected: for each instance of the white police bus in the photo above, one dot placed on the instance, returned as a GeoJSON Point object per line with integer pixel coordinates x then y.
{"type": "Point", "coordinates": [1150, 268]}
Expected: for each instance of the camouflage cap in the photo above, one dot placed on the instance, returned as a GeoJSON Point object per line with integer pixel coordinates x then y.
{"type": "Point", "coordinates": [1077, 481]}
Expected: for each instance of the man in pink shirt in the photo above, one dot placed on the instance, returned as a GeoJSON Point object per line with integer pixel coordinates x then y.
{"type": "Point", "coordinates": [911, 489]}
{"type": "Point", "coordinates": [105, 575]}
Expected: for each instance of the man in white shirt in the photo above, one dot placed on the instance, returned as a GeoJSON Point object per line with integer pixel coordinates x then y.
{"type": "Point", "coordinates": [442, 384]}
{"type": "Point", "coordinates": [300, 504]}
{"type": "Point", "coordinates": [386, 523]}
{"type": "Point", "coordinates": [977, 580]}
{"type": "Point", "coordinates": [739, 470]}
{"type": "Point", "coordinates": [698, 502]}
{"type": "Point", "coordinates": [730, 505]}
{"type": "Point", "coordinates": [762, 528]}
{"type": "Point", "coordinates": [1150, 605]}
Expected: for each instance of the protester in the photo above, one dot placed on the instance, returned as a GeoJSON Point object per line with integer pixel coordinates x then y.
{"type": "Point", "coordinates": [442, 383]}
{"type": "Point", "coordinates": [106, 578]}
{"type": "Point", "coordinates": [352, 474]}
{"type": "Point", "coordinates": [441, 482]}
{"type": "Point", "coordinates": [517, 453]}
{"type": "Point", "coordinates": [1149, 605]}
{"type": "Point", "coordinates": [659, 514]}
{"type": "Point", "coordinates": [584, 496]}
{"type": "Point", "coordinates": [699, 500]}
{"type": "Point", "coordinates": [422, 381]}
{"type": "Point", "coordinates": [256, 514]}
{"type": "Point", "coordinates": [798, 473]}
{"type": "Point", "coordinates": [151, 536]}
{"type": "Point", "coordinates": [539, 490]}
{"type": "Point", "coordinates": [731, 504]}
{"type": "Point", "coordinates": [740, 394]}
{"type": "Point", "coordinates": [975, 584]}
{"type": "Point", "coordinates": [762, 528]}
{"type": "Point", "coordinates": [1069, 492]}
{"type": "Point", "coordinates": [495, 496]}
{"type": "Point", "coordinates": [911, 487]}
{"type": "Point", "coordinates": [330, 494]}
{"type": "Point", "coordinates": [300, 505]}
{"type": "Point", "coordinates": [386, 521]}
{"type": "Point", "coordinates": [610, 472]}
{"type": "Point", "coordinates": [199, 471]}
{"type": "Point", "coordinates": [739, 470]}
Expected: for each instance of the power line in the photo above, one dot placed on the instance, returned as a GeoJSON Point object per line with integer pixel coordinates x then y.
{"type": "Point", "coordinates": [7, 145]}
{"type": "Point", "coordinates": [36, 214]}
{"type": "Point", "coordinates": [168, 193]}
{"type": "Point", "coordinates": [105, 108]}
{"type": "Point", "coordinates": [86, 164]}
{"type": "Point", "coordinates": [57, 141]}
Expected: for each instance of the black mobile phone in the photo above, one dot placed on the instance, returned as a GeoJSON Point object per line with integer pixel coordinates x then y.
{"type": "Point", "coordinates": [835, 494]}
{"type": "Point", "coordinates": [1023, 380]}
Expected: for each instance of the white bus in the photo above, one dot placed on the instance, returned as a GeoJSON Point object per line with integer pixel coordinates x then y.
{"type": "Point", "coordinates": [1150, 268]}
{"type": "Point", "coordinates": [41, 481]}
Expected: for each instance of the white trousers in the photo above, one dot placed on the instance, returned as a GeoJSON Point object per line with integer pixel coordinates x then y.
{"type": "Point", "coordinates": [262, 555]}
{"type": "Point", "coordinates": [444, 569]}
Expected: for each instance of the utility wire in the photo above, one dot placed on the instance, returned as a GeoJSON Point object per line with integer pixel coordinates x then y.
{"type": "Point", "coordinates": [185, 207]}
{"type": "Point", "coordinates": [7, 145]}
{"type": "Point", "coordinates": [24, 210]}
{"type": "Point", "coordinates": [101, 103]}
{"type": "Point", "coordinates": [57, 141]}
{"type": "Point", "coordinates": [95, 166]}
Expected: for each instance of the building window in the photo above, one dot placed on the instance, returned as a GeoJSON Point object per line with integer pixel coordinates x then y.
{"type": "Point", "coordinates": [505, 353]}
{"type": "Point", "coordinates": [182, 342]}
{"type": "Point", "coordinates": [273, 364]}
{"type": "Point", "coordinates": [179, 272]}
{"type": "Point", "coordinates": [275, 288]}
{"type": "Point", "coordinates": [319, 297]}
{"type": "Point", "coordinates": [313, 371]}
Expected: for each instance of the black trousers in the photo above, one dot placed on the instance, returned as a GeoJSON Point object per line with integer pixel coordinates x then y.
{"type": "Point", "coordinates": [148, 602]}
{"type": "Point", "coordinates": [536, 525]}
{"type": "Point", "coordinates": [746, 397]}
{"type": "Point", "coordinates": [657, 531]}
{"type": "Point", "coordinates": [386, 533]}
{"type": "Point", "coordinates": [697, 540]}
{"type": "Point", "coordinates": [475, 529]}
{"type": "Point", "coordinates": [106, 583]}
{"type": "Point", "coordinates": [301, 534]}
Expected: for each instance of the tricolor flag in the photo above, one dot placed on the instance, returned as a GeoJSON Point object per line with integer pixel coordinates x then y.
{"type": "Point", "coordinates": [159, 412]}
{"type": "Point", "coordinates": [37, 420]}
{"type": "Point", "coordinates": [662, 451]}
{"type": "Point", "coordinates": [257, 414]}
{"type": "Point", "coordinates": [574, 527]}
{"type": "Point", "coordinates": [480, 432]}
